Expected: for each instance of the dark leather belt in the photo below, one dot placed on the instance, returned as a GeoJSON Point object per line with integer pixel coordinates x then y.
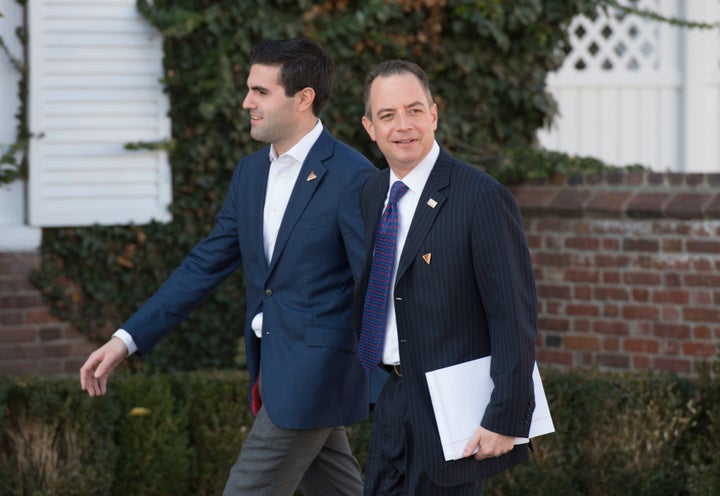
{"type": "Point", "coordinates": [392, 369]}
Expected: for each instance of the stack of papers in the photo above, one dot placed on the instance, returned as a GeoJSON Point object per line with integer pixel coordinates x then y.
{"type": "Point", "coordinates": [460, 393]}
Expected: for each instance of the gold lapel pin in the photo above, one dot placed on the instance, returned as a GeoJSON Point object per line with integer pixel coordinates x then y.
{"type": "Point", "coordinates": [311, 176]}
{"type": "Point", "coordinates": [427, 258]}
{"type": "Point", "coordinates": [432, 204]}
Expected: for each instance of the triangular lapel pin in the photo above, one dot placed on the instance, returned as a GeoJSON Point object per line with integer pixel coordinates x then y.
{"type": "Point", "coordinates": [311, 176]}
{"type": "Point", "coordinates": [427, 257]}
{"type": "Point", "coordinates": [432, 204]}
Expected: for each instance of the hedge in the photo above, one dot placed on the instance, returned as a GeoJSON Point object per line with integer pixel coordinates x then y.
{"type": "Point", "coordinates": [617, 434]}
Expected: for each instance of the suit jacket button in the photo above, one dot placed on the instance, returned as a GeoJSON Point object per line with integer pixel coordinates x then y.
{"type": "Point", "coordinates": [268, 292]}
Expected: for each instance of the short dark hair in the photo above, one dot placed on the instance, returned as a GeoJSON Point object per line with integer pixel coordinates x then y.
{"type": "Point", "coordinates": [394, 68]}
{"type": "Point", "coordinates": [303, 63]}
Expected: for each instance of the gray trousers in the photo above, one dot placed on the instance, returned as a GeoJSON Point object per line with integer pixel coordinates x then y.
{"type": "Point", "coordinates": [275, 461]}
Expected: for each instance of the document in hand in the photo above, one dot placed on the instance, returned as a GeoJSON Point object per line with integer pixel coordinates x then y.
{"type": "Point", "coordinates": [460, 393]}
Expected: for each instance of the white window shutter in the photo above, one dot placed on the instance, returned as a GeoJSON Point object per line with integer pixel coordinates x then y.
{"type": "Point", "coordinates": [95, 69]}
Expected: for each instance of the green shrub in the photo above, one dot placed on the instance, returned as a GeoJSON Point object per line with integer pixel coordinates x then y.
{"type": "Point", "coordinates": [616, 435]}
{"type": "Point", "coordinates": [704, 469]}
{"type": "Point", "coordinates": [54, 439]}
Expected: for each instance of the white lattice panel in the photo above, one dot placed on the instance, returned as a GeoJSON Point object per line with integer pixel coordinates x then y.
{"type": "Point", "coordinates": [616, 43]}
{"type": "Point", "coordinates": [633, 90]}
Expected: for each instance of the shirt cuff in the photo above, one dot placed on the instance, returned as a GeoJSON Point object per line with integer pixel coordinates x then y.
{"type": "Point", "coordinates": [126, 338]}
{"type": "Point", "coordinates": [256, 324]}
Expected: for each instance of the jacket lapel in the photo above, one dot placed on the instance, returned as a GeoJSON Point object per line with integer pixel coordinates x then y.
{"type": "Point", "coordinates": [310, 177]}
{"type": "Point", "coordinates": [431, 201]}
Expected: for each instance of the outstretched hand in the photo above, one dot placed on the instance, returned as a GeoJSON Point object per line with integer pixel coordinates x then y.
{"type": "Point", "coordinates": [100, 364]}
{"type": "Point", "coordinates": [488, 444]}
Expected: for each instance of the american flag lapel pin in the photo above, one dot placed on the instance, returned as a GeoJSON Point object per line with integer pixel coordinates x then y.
{"type": "Point", "coordinates": [432, 204]}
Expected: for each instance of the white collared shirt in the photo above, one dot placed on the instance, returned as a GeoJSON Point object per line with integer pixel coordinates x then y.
{"type": "Point", "coordinates": [282, 175]}
{"type": "Point", "coordinates": [415, 181]}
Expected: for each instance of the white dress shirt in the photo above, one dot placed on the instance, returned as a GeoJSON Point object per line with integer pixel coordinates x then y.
{"type": "Point", "coordinates": [415, 181]}
{"type": "Point", "coordinates": [282, 175]}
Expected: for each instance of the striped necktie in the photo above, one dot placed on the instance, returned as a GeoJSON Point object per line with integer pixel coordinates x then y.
{"type": "Point", "coordinates": [372, 330]}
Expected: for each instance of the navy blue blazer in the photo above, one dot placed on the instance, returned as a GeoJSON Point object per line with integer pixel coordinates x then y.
{"type": "Point", "coordinates": [474, 296]}
{"type": "Point", "coordinates": [311, 377]}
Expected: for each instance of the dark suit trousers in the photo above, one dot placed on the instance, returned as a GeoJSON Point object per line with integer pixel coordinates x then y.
{"type": "Point", "coordinates": [393, 462]}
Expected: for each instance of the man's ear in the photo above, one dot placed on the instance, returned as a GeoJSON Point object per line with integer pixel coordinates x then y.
{"type": "Point", "coordinates": [304, 99]}
{"type": "Point", "coordinates": [368, 125]}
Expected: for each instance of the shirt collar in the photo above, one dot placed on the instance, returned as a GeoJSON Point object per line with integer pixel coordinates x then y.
{"type": "Point", "coordinates": [300, 150]}
{"type": "Point", "coordinates": [415, 179]}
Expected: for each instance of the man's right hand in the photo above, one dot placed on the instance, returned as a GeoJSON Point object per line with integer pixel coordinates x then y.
{"type": "Point", "coordinates": [100, 364]}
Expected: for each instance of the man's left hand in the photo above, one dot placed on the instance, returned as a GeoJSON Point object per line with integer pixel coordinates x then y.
{"type": "Point", "coordinates": [488, 444]}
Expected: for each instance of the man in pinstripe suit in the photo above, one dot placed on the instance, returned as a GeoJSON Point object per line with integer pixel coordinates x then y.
{"type": "Point", "coordinates": [463, 289]}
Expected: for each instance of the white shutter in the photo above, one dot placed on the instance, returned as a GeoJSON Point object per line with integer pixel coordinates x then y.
{"type": "Point", "coordinates": [95, 69]}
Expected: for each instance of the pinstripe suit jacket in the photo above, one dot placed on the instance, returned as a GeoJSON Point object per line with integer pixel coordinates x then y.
{"type": "Point", "coordinates": [474, 298]}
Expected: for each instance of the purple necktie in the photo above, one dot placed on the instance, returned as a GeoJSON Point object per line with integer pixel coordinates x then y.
{"type": "Point", "coordinates": [372, 330]}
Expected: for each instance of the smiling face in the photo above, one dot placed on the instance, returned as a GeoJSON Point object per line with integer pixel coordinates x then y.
{"type": "Point", "coordinates": [402, 120]}
{"type": "Point", "coordinates": [275, 117]}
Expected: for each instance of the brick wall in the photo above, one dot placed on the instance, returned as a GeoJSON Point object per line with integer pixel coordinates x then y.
{"type": "Point", "coordinates": [627, 269]}
{"type": "Point", "coordinates": [31, 340]}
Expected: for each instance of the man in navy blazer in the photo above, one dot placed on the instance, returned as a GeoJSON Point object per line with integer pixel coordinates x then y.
{"type": "Point", "coordinates": [291, 220]}
{"type": "Point", "coordinates": [463, 289]}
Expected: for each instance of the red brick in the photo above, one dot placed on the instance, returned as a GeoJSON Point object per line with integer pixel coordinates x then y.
{"type": "Point", "coordinates": [611, 344]}
{"type": "Point", "coordinates": [702, 280]}
{"type": "Point", "coordinates": [641, 362]}
{"type": "Point", "coordinates": [642, 278]}
{"type": "Point", "coordinates": [552, 259]}
{"type": "Point", "coordinates": [581, 325]}
{"type": "Point", "coordinates": [611, 202]}
{"type": "Point", "coordinates": [582, 243]}
{"type": "Point", "coordinates": [610, 244]}
{"type": "Point", "coordinates": [702, 332]}
{"type": "Point", "coordinates": [19, 300]}
{"type": "Point", "coordinates": [19, 334]}
{"type": "Point", "coordinates": [611, 311]}
{"type": "Point", "coordinates": [696, 349]}
{"type": "Point", "coordinates": [554, 357]}
{"type": "Point", "coordinates": [676, 297]}
{"type": "Point", "coordinates": [587, 310]}
{"type": "Point", "coordinates": [11, 317]}
{"type": "Point", "coordinates": [647, 205]}
{"type": "Point", "coordinates": [640, 312]}
{"type": "Point", "coordinates": [675, 331]}
{"type": "Point", "coordinates": [40, 316]}
{"type": "Point", "coordinates": [610, 293]}
{"type": "Point", "coordinates": [581, 275]}
{"type": "Point", "coordinates": [582, 293]}
{"type": "Point", "coordinates": [582, 343]}
{"type": "Point", "coordinates": [702, 246]}
{"type": "Point", "coordinates": [670, 314]}
{"type": "Point", "coordinates": [553, 291]}
{"type": "Point", "coordinates": [549, 324]}
{"type": "Point", "coordinates": [612, 260]}
{"type": "Point", "coordinates": [632, 244]}
{"type": "Point", "coordinates": [688, 205]}
{"type": "Point", "coordinates": [568, 201]}
{"type": "Point", "coordinates": [702, 264]}
{"type": "Point", "coordinates": [635, 345]}
{"type": "Point", "coordinates": [613, 361]}
{"type": "Point", "coordinates": [699, 314]}
{"type": "Point", "coordinates": [673, 364]}
{"type": "Point", "coordinates": [641, 295]}
{"type": "Point", "coordinates": [611, 277]}
{"type": "Point", "coordinates": [614, 327]}
{"type": "Point", "coordinates": [671, 245]}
